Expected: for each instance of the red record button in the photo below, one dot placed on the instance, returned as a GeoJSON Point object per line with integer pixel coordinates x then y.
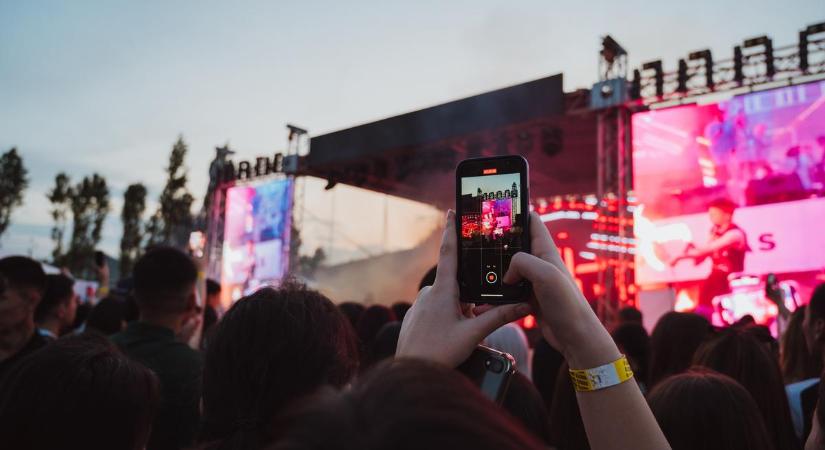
{"type": "Point", "coordinates": [491, 277]}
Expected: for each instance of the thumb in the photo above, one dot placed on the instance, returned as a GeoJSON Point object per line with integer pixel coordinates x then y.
{"type": "Point", "coordinates": [497, 317]}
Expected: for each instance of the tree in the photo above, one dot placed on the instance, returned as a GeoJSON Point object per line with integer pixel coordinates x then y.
{"type": "Point", "coordinates": [134, 204]}
{"type": "Point", "coordinates": [173, 221]}
{"type": "Point", "coordinates": [13, 181]}
{"type": "Point", "coordinates": [89, 202]}
{"type": "Point", "coordinates": [59, 197]}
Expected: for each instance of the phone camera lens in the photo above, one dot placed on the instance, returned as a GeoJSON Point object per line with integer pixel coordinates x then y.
{"type": "Point", "coordinates": [494, 365]}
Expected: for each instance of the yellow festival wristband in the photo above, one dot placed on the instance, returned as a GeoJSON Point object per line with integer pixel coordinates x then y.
{"type": "Point", "coordinates": [610, 374]}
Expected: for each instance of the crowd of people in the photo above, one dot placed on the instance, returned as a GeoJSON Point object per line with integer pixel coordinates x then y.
{"type": "Point", "coordinates": [286, 368]}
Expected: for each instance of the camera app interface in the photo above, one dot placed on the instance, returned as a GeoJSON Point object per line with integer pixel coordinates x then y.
{"type": "Point", "coordinates": [491, 231]}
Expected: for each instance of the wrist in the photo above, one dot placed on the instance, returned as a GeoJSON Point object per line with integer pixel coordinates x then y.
{"type": "Point", "coordinates": [592, 350]}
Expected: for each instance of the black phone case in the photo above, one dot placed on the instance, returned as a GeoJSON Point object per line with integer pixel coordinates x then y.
{"type": "Point", "coordinates": [526, 287]}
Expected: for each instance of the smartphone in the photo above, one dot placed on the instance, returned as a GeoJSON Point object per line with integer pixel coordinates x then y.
{"type": "Point", "coordinates": [492, 223]}
{"type": "Point", "coordinates": [491, 370]}
{"type": "Point", "coordinates": [196, 243]}
{"type": "Point", "coordinates": [100, 258]}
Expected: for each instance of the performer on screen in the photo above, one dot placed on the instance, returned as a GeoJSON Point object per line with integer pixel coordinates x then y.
{"type": "Point", "coordinates": [726, 248]}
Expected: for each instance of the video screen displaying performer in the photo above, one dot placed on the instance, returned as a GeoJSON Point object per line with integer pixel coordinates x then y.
{"type": "Point", "coordinates": [763, 151]}
{"type": "Point", "coordinates": [490, 230]}
{"type": "Point", "coordinates": [256, 235]}
{"type": "Point", "coordinates": [726, 246]}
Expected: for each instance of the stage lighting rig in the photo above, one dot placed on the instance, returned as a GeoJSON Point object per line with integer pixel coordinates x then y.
{"type": "Point", "coordinates": [658, 76]}
{"type": "Point", "coordinates": [803, 44]}
{"type": "Point", "coordinates": [706, 56]}
{"type": "Point", "coordinates": [738, 72]}
{"type": "Point", "coordinates": [767, 44]}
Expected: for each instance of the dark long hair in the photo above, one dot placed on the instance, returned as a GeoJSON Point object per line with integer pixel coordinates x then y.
{"type": "Point", "coordinates": [271, 349]}
{"type": "Point", "coordinates": [77, 392]}
{"type": "Point", "coordinates": [405, 405]}
{"type": "Point", "coordinates": [566, 426]}
{"type": "Point", "coordinates": [702, 409]}
{"type": "Point", "coordinates": [796, 361]}
{"type": "Point", "coordinates": [737, 353]}
{"type": "Point", "coordinates": [675, 338]}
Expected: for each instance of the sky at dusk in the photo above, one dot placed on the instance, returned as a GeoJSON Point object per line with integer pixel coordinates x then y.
{"type": "Point", "coordinates": [107, 86]}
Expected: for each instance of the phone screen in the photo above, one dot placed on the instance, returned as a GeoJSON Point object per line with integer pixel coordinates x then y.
{"type": "Point", "coordinates": [492, 217]}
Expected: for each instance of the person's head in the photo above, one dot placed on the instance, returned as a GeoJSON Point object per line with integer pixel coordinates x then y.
{"type": "Point", "coordinates": [813, 324]}
{"type": "Point", "coordinates": [108, 316]}
{"type": "Point", "coordinates": [739, 354]}
{"type": "Point", "coordinates": [371, 321]}
{"type": "Point", "coordinates": [702, 409]}
{"type": "Point", "coordinates": [796, 360]}
{"type": "Point", "coordinates": [385, 344]}
{"type": "Point", "coordinates": [58, 306]}
{"type": "Point", "coordinates": [400, 310]}
{"type": "Point", "coordinates": [80, 391]}
{"type": "Point", "coordinates": [403, 404]}
{"type": "Point", "coordinates": [524, 402]}
{"type": "Point", "coordinates": [630, 314]}
{"type": "Point", "coordinates": [721, 211]}
{"type": "Point", "coordinates": [22, 283]}
{"type": "Point", "coordinates": [511, 339]}
{"type": "Point", "coordinates": [545, 367]}
{"type": "Point", "coordinates": [633, 341]}
{"type": "Point", "coordinates": [164, 283]}
{"type": "Point", "coordinates": [566, 425]}
{"type": "Point", "coordinates": [272, 348]}
{"type": "Point", "coordinates": [675, 338]}
{"type": "Point", "coordinates": [213, 293]}
{"type": "Point", "coordinates": [352, 311]}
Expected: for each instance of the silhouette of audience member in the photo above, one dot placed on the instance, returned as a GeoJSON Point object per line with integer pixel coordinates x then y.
{"type": "Point", "coordinates": [55, 315]}
{"type": "Point", "coordinates": [164, 288]}
{"type": "Point", "coordinates": [371, 321]}
{"type": "Point", "coordinates": [268, 352]}
{"type": "Point", "coordinates": [399, 309]}
{"type": "Point", "coordinates": [22, 284]}
{"type": "Point", "coordinates": [523, 401]}
{"type": "Point", "coordinates": [633, 341]}
{"type": "Point", "coordinates": [403, 404]}
{"type": "Point", "coordinates": [352, 311]}
{"type": "Point", "coordinates": [675, 339]}
{"type": "Point", "coordinates": [737, 353]}
{"type": "Point", "coordinates": [386, 342]}
{"type": "Point", "coordinates": [546, 363]}
{"type": "Point", "coordinates": [630, 314]}
{"type": "Point", "coordinates": [108, 316]}
{"type": "Point", "coordinates": [212, 311]}
{"type": "Point", "coordinates": [702, 409]}
{"type": "Point", "coordinates": [79, 392]}
{"type": "Point", "coordinates": [566, 426]}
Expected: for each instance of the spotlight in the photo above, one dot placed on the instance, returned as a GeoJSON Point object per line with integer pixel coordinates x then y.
{"type": "Point", "coordinates": [611, 49]}
{"type": "Point", "coordinates": [682, 77]}
{"type": "Point", "coordinates": [708, 58]}
{"type": "Point", "coordinates": [738, 73]}
{"type": "Point", "coordinates": [658, 76]}
{"type": "Point", "coordinates": [636, 85]}
{"type": "Point", "coordinates": [767, 43]}
{"type": "Point", "coordinates": [803, 43]}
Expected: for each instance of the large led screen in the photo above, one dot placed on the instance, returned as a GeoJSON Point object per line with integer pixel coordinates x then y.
{"type": "Point", "coordinates": [256, 235]}
{"type": "Point", "coordinates": [754, 164]}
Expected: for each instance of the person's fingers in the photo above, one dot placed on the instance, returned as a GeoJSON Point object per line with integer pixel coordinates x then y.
{"type": "Point", "coordinates": [481, 309]}
{"type": "Point", "coordinates": [524, 265]}
{"type": "Point", "coordinates": [541, 243]}
{"type": "Point", "coordinates": [484, 324]}
{"type": "Point", "coordinates": [448, 253]}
